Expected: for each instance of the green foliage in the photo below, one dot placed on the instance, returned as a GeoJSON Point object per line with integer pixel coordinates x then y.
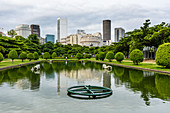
{"type": "Point", "coordinates": [13, 55]}
{"type": "Point", "coordinates": [2, 49]}
{"type": "Point", "coordinates": [136, 56]}
{"type": "Point", "coordinates": [136, 76]}
{"type": "Point", "coordinates": [1, 57]}
{"type": "Point", "coordinates": [97, 56]}
{"type": "Point", "coordinates": [23, 56]}
{"type": "Point", "coordinates": [86, 55]}
{"type": "Point", "coordinates": [79, 56]}
{"type": "Point", "coordinates": [163, 55]}
{"type": "Point", "coordinates": [30, 56]}
{"type": "Point", "coordinates": [65, 55]}
{"type": "Point", "coordinates": [60, 55]}
{"type": "Point", "coordinates": [110, 56]}
{"type": "Point", "coordinates": [89, 56]}
{"type": "Point", "coordinates": [36, 56]}
{"type": "Point", "coordinates": [54, 55]}
{"type": "Point", "coordinates": [119, 71]}
{"type": "Point", "coordinates": [46, 55]}
{"type": "Point", "coordinates": [12, 33]}
{"type": "Point", "coordinates": [34, 38]}
{"type": "Point", "coordinates": [102, 56]}
{"type": "Point", "coordinates": [119, 56]}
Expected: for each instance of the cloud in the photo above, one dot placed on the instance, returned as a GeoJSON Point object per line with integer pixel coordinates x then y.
{"type": "Point", "coordinates": [82, 14]}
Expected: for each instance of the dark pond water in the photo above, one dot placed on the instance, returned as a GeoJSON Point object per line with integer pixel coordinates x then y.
{"type": "Point", "coordinates": [134, 91]}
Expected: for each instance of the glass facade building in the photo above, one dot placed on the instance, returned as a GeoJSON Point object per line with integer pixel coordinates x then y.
{"type": "Point", "coordinates": [49, 37]}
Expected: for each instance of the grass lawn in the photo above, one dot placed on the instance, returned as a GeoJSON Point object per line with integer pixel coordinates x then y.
{"type": "Point", "coordinates": [141, 65]}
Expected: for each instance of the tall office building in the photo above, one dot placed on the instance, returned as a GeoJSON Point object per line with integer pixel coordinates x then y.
{"type": "Point", "coordinates": [106, 30]}
{"type": "Point", "coordinates": [35, 29]}
{"type": "Point", "coordinates": [61, 28]}
{"type": "Point", "coordinates": [119, 33]}
{"type": "Point", "coordinates": [23, 30]}
{"type": "Point", "coordinates": [49, 37]}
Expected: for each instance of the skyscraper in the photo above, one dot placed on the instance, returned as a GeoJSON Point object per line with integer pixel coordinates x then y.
{"type": "Point", "coordinates": [35, 29]}
{"type": "Point", "coordinates": [61, 28]}
{"type": "Point", "coordinates": [106, 30]}
{"type": "Point", "coordinates": [23, 30]}
{"type": "Point", "coordinates": [119, 33]}
{"type": "Point", "coordinates": [49, 37]}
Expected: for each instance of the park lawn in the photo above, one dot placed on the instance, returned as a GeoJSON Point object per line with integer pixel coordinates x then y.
{"type": "Point", "coordinates": [141, 65]}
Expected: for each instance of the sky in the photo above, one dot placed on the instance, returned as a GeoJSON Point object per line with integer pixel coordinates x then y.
{"type": "Point", "coordinates": [83, 14]}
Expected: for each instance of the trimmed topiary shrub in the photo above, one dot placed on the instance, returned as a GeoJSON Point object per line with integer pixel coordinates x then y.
{"type": "Point", "coordinates": [86, 55]}
{"type": "Point", "coordinates": [30, 56]}
{"type": "Point", "coordinates": [65, 55]}
{"type": "Point", "coordinates": [102, 56]}
{"type": "Point", "coordinates": [136, 56]}
{"type": "Point", "coordinates": [163, 55]}
{"type": "Point", "coordinates": [110, 56]}
{"type": "Point", "coordinates": [13, 55]}
{"type": "Point", "coordinates": [36, 56]}
{"type": "Point", "coordinates": [23, 56]}
{"type": "Point", "coordinates": [119, 56]}
{"type": "Point", "coordinates": [79, 56]}
{"type": "Point", "coordinates": [1, 57]}
{"type": "Point", "coordinates": [97, 56]}
{"type": "Point", "coordinates": [89, 56]}
{"type": "Point", "coordinates": [54, 55]}
{"type": "Point", "coordinates": [46, 55]}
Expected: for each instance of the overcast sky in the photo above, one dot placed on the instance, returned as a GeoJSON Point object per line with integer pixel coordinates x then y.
{"type": "Point", "coordinates": [83, 14]}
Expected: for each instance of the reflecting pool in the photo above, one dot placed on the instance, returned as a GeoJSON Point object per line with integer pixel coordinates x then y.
{"type": "Point", "coordinates": [45, 91]}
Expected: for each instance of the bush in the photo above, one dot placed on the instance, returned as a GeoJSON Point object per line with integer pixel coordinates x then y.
{"type": "Point", "coordinates": [102, 56]}
{"type": "Point", "coordinates": [54, 55]}
{"type": "Point", "coordinates": [89, 56]}
{"type": "Point", "coordinates": [119, 56]}
{"type": "Point", "coordinates": [65, 55]}
{"type": "Point", "coordinates": [36, 56]}
{"type": "Point", "coordinates": [97, 56]}
{"type": "Point", "coordinates": [136, 56]}
{"type": "Point", "coordinates": [163, 55]}
{"type": "Point", "coordinates": [46, 55]}
{"type": "Point", "coordinates": [79, 56]}
{"type": "Point", "coordinates": [110, 56]}
{"type": "Point", "coordinates": [1, 57]}
{"type": "Point", "coordinates": [86, 55]}
{"type": "Point", "coordinates": [13, 55]}
{"type": "Point", "coordinates": [23, 56]}
{"type": "Point", "coordinates": [30, 56]}
{"type": "Point", "coordinates": [61, 55]}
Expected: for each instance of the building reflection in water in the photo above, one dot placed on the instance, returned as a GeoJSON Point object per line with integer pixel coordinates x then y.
{"type": "Point", "coordinates": [58, 83]}
{"type": "Point", "coordinates": [106, 79]}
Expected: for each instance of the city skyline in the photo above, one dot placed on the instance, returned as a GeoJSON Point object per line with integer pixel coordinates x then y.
{"type": "Point", "coordinates": [87, 15]}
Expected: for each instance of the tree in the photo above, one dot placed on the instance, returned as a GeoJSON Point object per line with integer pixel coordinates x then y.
{"type": "Point", "coordinates": [23, 56]}
{"type": "Point", "coordinates": [30, 56]}
{"type": "Point", "coordinates": [102, 56]}
{"type": "Point", "coordinates": [54, 55]}
{"type": "Point", "coordinates": [46, 55]}
{"type": "Point", "coordinates": [110, 56]}
{"type": "Point", "coordinates": [34, 38]}
{"type": "Point", "coordinates": [163, 55]}
{"type": "Point", "coordinates": [12, 33]}
{"type": "Point", "coordinates": [86, 55]}
{"type": "Point", "coordinates": [79, 56]}
{"type": "Point", "coordinates": [13, 55]}
{"type": "Point", "coordinates": [1, 57]}
{"type": "Point", "coordinates": [136, 56]}
{"type": "Point", "coordinates": [36, 56]}
{"type": "Point", "coordinates": [97, 56]}
{"type": "Point", "coordinates": [119, 56]}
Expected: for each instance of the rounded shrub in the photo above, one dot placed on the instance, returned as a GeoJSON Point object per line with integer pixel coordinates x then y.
{"type": "Point", "coordinates": [110, 56]}
{"type": "Point", "coordinates": [86, 55]}
{"type": "Point", "coordinates": [46, 55]}
{"type": "Point", "coordinates": [23, 56]}
{"type": "Point", "coordinates": [102, 56]}
{"type": "Point", "coordinates": [30, 56]}
{"type": "Point", "coordinates": [36, 56]}
{"type": "Point", "coordinates": [13, 55]}
{"type": "Point", "coordinates": [54, 55]}
{"type": "Point", "coordinates": [163, 55]}
{"type": "Point", "coordinates": [89, 56]}
{"type": "Point", "coordinates": [1, 57]}
{"type": "Point", "coordinates": [97, 56]}
{"type": "Point", "coordinates": [136, 56]}
{"type": "Point", "coordinates": [136, 76]}
{"type": "Point", "coordinates": [119, 56]}
{"type": "Point", "coordinates": [65, 55]}
{"type": "Point", "coordinates": [79, 56]}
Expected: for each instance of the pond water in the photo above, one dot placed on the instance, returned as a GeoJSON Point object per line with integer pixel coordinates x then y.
{"type": "Point", "coordinates": [134, 91]}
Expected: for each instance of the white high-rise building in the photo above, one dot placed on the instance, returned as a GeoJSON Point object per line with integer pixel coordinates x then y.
{"type": "Point", "coordinates": [23, 30]}
{"type": "Point", "coordinates": [61, 28]}
{"type": "Point", "coordinates": [119, 33]}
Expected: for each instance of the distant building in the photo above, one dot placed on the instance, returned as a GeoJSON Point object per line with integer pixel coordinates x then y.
{"type": "Point", "coordinates": [49, 37]}
{"type": "Point", "coordinates": [2, 32]}
{"type": "Point", "coordinates": [35, 29]}
{"type": "Point", "coordinates": [80, 31]}
{"type": "Point", "coordinates": [83, 39]}
{"type": "Point", "coordinates": [61, 28]}
{"type": "Point", "coordinates": [119, 33]}
{"type": "Point", "coordinates": [42, 40]}
{"type": "Point", "coordinates": [106, 30]}
{"type": "Point", "coordinates": [23, 30]}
